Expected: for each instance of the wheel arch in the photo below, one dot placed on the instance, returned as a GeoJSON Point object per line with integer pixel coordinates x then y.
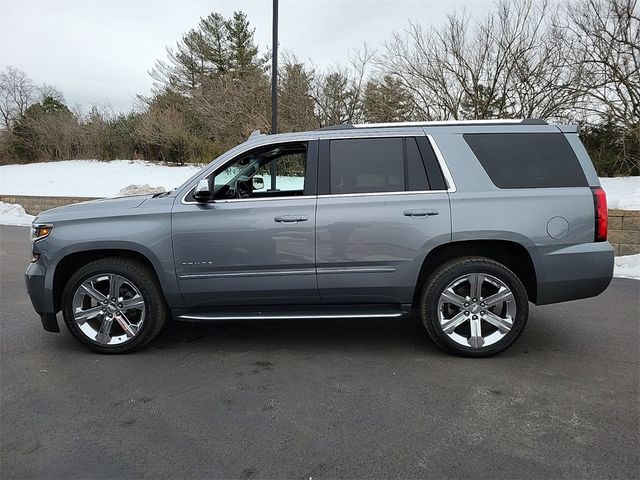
{"type": "Point", "coordinates": [511, 254]}
{"type": "Point", "coordinates": [72, 262]}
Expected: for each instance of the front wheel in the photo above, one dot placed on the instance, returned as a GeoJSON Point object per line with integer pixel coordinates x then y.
{"type": "Point", "coordinates": [113, 305]}
{"type": "Point", "coordinates": [474, 307]}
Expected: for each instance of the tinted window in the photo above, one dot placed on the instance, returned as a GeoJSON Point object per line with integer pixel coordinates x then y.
{"type": "Point", "coordinates": [416, 174]}
{"type": "Point", "coordinates": [367, 165]}
{"type": "Point", "coordinates": [527, 160]}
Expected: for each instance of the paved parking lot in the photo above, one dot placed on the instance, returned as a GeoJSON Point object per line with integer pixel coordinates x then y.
{"type": "Point", "coordinates": [321, 399]}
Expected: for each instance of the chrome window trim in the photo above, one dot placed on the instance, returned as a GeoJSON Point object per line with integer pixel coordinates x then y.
{"type": "Point", "coordinates": [451, 186]}
{"type": "Point", "coordinates": [371, 194]}
{"type": "Point", "coordinates": [235, 200]}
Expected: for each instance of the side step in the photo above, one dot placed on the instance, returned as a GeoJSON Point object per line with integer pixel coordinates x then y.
{"type": "Point", "coordinates": [294, 312]}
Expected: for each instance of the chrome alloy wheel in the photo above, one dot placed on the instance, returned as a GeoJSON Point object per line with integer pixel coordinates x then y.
{"type": "Point", "coordinates": [108, 308]}
{"type": "Point", "coordinates": [476, 310]}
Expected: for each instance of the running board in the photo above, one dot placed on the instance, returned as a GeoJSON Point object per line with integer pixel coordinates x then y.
{"type": "Point", "coordinates": [297, 313]}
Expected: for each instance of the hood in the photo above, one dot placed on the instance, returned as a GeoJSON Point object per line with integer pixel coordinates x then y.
{"type": "Point", "coordinates": [103, 207]}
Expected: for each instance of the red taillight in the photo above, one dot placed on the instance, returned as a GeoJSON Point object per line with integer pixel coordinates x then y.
{"type": "Point", "coordinates": [601, 213]}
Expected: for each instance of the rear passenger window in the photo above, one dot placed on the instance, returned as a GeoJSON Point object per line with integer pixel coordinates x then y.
{"type": "Point", "coordinates": [374, 165]}
{"type": "Point", "coordinates": [527, 160]}
{"type": "Point", "coordinates": [366, 165]}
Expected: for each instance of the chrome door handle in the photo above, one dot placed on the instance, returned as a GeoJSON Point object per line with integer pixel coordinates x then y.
{"type": "Point", "coordinates": [291, 218]}
{"type": "Point", "coordinates": [420, 212]}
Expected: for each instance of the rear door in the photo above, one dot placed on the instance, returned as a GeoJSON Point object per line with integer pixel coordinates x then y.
{"type": "Point", "coordinates": [382, 205]}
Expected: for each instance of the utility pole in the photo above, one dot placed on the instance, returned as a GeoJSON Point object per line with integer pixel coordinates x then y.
{"type": "Point", "coordinates": [274, 88]}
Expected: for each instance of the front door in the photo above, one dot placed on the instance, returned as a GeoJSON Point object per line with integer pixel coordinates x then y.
{"type": "Point", "coordinates": [254, 243]}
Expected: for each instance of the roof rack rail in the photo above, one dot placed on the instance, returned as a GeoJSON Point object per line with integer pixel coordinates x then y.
{"type": "Point", "coordinates": [344, 126]}
{"type": "Point", "coordinates": [435, 123]}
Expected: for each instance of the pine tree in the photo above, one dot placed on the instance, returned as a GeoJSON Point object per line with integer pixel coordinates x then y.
{"type": "Point", "coordinates": [387, 101]}
{"type": "Point", "coordinates": [296, 105]}
{"type": "Point", "coordinates": [215, 47]}
{"type": "Point", "coordinates": [243, 52]}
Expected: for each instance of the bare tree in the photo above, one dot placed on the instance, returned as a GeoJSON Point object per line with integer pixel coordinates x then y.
{"type": "Point", "coordinates": [17, 92]}
{"type": "Point", "coordinates": [338, 93]}
{"type": "Point", "coordinates": [232, 107]}
{"type": "Point", "coordinates": [603, 42]}
{"type": "Point", "coordinates": [504, 65]}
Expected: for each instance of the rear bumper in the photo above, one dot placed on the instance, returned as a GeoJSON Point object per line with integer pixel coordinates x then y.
{"type": "Point", "coordinates": [571, 273]}
{"type": "Point", "coordinates": [41, 296]}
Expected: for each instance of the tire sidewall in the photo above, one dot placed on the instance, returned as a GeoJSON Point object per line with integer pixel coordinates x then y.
{"type": "Point", "coordinates": [447, 274]}
{"type": "Point", "coordinates": [136, 273]}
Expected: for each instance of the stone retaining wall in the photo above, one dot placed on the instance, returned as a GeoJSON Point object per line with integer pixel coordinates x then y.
{"type": "Point", "coordinates": [34, 205]}
{"type": "Point", "coordinates": [624, 225]}
{"type": "Point", "coordinates": [624, 231]}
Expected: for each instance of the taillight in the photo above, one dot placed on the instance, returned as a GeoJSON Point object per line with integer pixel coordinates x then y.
{"type": "Point", "coordinates": [601, 214]}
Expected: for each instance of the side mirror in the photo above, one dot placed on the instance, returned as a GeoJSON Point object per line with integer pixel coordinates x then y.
{"type": "Point", "coordinates": [202, 193]}
{"type": "Point", "coordinates": [258, 183]}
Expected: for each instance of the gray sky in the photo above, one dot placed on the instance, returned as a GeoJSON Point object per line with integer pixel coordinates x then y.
{"type": "Point", "coordinates": [99, 51]}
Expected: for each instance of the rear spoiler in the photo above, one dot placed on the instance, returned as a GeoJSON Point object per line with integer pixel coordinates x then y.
{"type": "Point", "coordinates": [568, 128]}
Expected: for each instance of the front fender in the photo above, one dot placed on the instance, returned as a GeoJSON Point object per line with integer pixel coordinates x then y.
{"type": "Point", "coordinates": [147, 235]}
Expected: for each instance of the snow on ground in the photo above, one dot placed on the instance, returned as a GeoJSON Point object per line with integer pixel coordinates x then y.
{"type": "Point", "coordinates": [140, 190]}
{"type": "Point", "coordinates": [93, 178]}
{"type": "Point", "coordinates": [12, 214]}
{"type": "Point", "coordinates": [622, 192]}
{"type": "Point", "coordinates": [88, 178]}
{"type": "Point", "coordinates": [628, 266]}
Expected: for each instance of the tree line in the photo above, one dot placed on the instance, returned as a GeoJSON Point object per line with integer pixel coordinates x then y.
{"type": "Point", "coordinates": [573, 62]}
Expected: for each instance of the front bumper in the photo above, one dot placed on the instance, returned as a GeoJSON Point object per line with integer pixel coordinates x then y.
{"type": "Point", "coordinates": [41, 296]}
{"type": "Point", "coordinates": [571, 273]}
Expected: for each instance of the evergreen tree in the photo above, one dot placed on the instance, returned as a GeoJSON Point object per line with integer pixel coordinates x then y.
{"type": "Point", "coordinates": [243, 52]}
{"type": "Point", "coordinates": [215, 40]}
{"type": "Point", "coordinates": [296, 105]}
{"type": "Point", "coordinates": [482, 103]}
{"type": "Point", "coordinates": [215, 47]}
{"type": "Point", "coordinates": [387, 101]}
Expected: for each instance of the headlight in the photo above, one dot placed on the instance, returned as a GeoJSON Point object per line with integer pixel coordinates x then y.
{"type": "Point", "coordinates": [40, 231]}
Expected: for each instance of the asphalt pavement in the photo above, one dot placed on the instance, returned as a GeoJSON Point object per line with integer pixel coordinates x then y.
{"type": "Point", "coordinates": [367, 398]}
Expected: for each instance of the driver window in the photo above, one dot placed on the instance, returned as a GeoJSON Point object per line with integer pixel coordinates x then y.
{"type": "Point", "coordinates": [250, 176]}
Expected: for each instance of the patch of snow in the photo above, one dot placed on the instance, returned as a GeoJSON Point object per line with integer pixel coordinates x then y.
{"type": "Point", "coordinates": [88, 178]}
{"type": "Point", "coordinates": [140, 190]}
{"type": "Point", "coordinates": [13, 214]}
{"type": "Point", "coordinates": [627, 266]}
{"type": "Point", "coordinates": [623, 193]}
{"type": "Point", "coordinates": [94, 178]}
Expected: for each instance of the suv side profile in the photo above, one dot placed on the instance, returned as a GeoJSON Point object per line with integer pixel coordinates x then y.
{"type": "Point", "coordinates": [463, 222]}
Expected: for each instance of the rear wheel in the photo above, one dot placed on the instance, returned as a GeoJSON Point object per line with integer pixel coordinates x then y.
{"type": "Point", "coordinates": [474, 306]}
{"type": "Point", "coordinates": [114, 305]}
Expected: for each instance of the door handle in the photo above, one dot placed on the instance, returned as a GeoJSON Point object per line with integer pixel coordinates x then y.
{"type": "Point", "coordinates": [291, 218]}
{"type": "Point", "coordinates": [420, 212]}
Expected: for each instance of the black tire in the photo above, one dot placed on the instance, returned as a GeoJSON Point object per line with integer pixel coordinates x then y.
{"type": "Point", "coordinates": [150, 290]}
{"type": "Point", "coordinates": [447, 273]}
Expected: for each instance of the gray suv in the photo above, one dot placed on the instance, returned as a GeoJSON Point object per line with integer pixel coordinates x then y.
{"type": "Point", "coordinates": [464, 223]}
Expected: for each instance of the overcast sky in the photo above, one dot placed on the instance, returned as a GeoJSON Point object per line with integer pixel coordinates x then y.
{"type": "Point", "coordinates": [99, 51]}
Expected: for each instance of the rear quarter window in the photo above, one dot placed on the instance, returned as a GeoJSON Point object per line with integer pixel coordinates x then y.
{"type": "Point", "coordinates": [527, 160]}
